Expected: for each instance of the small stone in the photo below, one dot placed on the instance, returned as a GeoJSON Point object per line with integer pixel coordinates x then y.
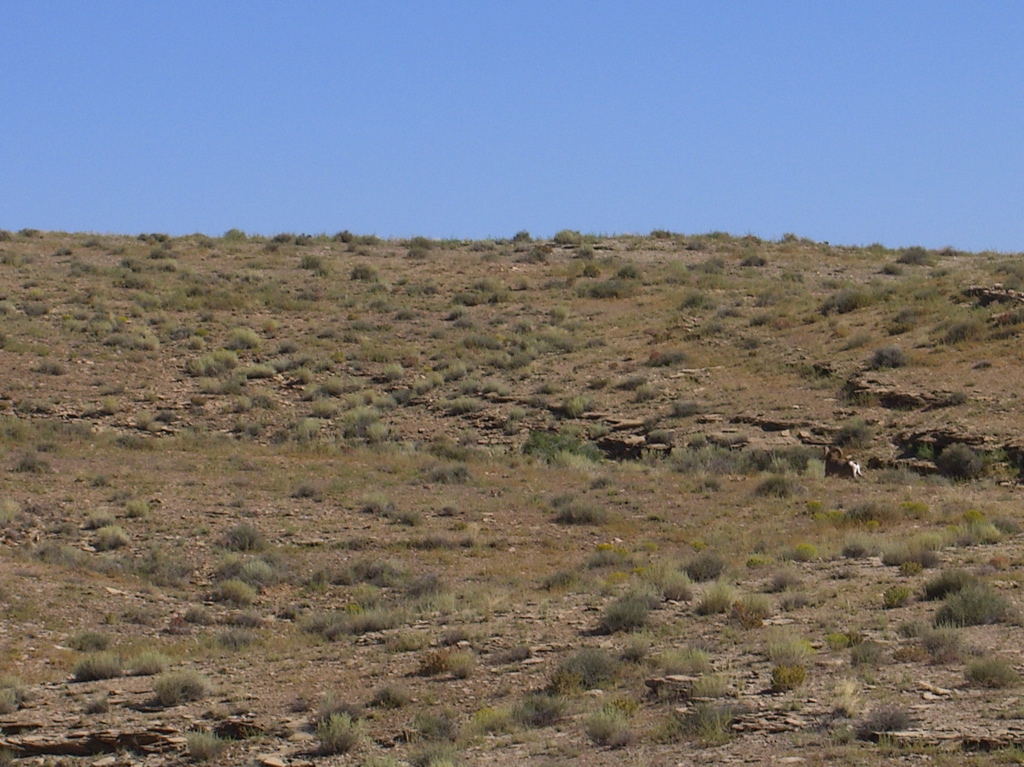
{"type": "Point", "coordinates": [272, 760]}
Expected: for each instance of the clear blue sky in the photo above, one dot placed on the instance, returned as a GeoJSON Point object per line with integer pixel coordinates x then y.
{"type": "Point", "coordinates": [842, 120]}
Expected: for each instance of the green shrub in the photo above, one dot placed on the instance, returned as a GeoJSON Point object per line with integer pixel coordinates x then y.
{"type": "Point", "coordinates": [549, 445]}
{"type": "Point", "coordinates": [785, 678]}
{"type": "Point", "coordinates": [974, 605]}
{"type": "Point", "coordinates": [896, 596]}
{"type": "Point", "coordinates": [958, 461]}
{"type": "Point", "coordinates": [947, 582]}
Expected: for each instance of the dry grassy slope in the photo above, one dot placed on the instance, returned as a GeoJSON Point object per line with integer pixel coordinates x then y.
{"type": "Point", "coordinates": [361, 408]}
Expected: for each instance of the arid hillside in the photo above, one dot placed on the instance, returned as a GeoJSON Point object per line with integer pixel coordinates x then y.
{"type": "Point", "coordinates": [344, 500]}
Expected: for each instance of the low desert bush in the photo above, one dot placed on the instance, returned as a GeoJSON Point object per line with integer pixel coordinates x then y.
{"type": "Point", "coordinates": [586, 669]}
{"type": "Point", "coordinates": [706, 565]}
{"type": "Point", "coordinates": [204, 746]}
{"type": "Point", "coordinates": [98, 665]}
{"type": "Point", "coordinates": [176, 687]}
{"type": "Point", "coordinates": [785, 678]}
{"type": "Point", "coordinates": [540, 709]}
{"type": "Point", "coordinates": [339, 734]}
{"type": "Point", "coordinates": [958, 461]}
{"type": "Point", "coordinates": [886, 718]}
{"type": "Point", "coordinates": [719, 598]}
{"type": "Point", "coordinates": [630, 611]}
{"type": "Point", "coordinates": [896, 596]}
{"type": "Point", "coordinates": [244, 537]}
{"type": "Point", "coordinates": [390, 696]}
{"type": "Point", "coordinates": [994, 673]}
{"type": "Point", "coordinates": [609, 727]}
{"type": "Point", "coordinates": [887, 357]}
{"type": "Point", "coordinates": [943, 645]}
{"type": "Point", "coordinates": [867, 653]}
{"type": "Point", "coordinates": [947, 582]}
{"type": "Point", "coordinates": [689, 660]}
{"type": "Point", "coordinates": [974, 605]}
{"type": "Point", "coordinates": [89, 641]}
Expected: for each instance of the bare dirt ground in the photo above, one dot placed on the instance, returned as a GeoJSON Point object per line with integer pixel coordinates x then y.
{"type": "Point", "coordinates": [340, 500]}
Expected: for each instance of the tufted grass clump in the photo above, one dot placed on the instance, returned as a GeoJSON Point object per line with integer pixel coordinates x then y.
{"type": "Point", "coordinates": [111, 537]}
{"type": "Point", "coordinates": [173, 688]}
{"type": "Point", "coordinates": [587, 669]}
{"type": "Point", "coordinates": [339, 733]}
{"type": "Point", "coordinates": [672, 583]}
{"type": "Point", "coordinates": [390, 696]}
{"type": "Point", "coordinates": [204, 746]}
{"type": "Point", "coordinates": [98, 665]}
{"type": "Point", "coordinates": [12, 694]}
{"type": "Point", "coordinates": [244, 537]}
{"type": "Point", "coordinates": [994, 673]}
{"type": "Point", "coordinates": [777, 486]}
{"type": "Point", "coordinates": [540, 709]}
{"type": "Point", "coordinates": [235, 591]}
{"type": "Point", "coordinates": [571, 511]}
{"type": "Point", "coordinates": [630, 611]}
{"type": "Point", "coordinates": [717, 599]}
{"type": "Point", "coordinates": [609, 727]}
{"type": "Point", "coordinates": [751, 610]}
{"type": "Point", "coordinates": [90, 641]}
{"type": "Point", "coordinates": [688, 660]}
{"type": "Point", "coordinates": [148, 663]}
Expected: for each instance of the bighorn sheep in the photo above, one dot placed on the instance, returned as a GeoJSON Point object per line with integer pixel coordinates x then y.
{"type": "Point", "coordinates": [838, 465]}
